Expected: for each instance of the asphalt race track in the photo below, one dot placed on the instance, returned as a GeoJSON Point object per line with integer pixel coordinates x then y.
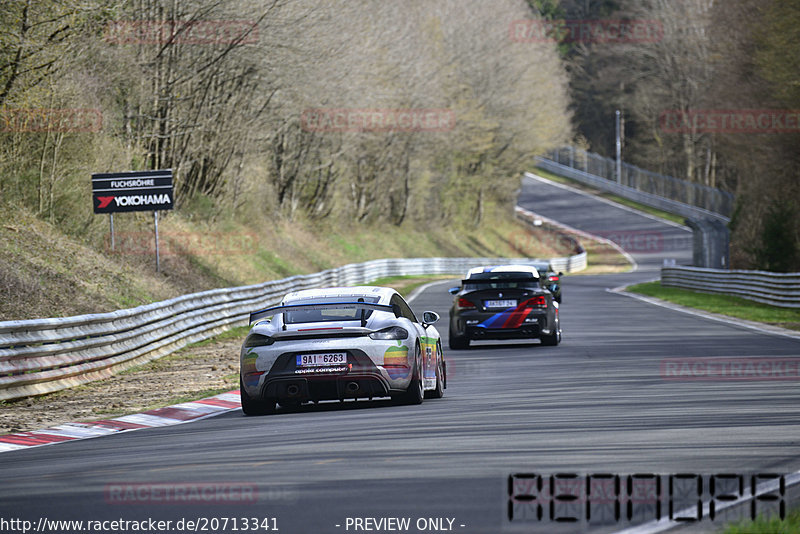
{"type": "Point", "coordinates": [598, 403]}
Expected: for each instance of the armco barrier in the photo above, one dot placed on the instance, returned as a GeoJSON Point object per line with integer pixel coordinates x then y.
{"type": "Point", "coordinates": [660, 185]}
{"type": "Point", "coordinates": [778, 289]}
{"type": "Point", "coordinates": [45, 355]}
{"type": "Point", "coordinates": [648, 199]}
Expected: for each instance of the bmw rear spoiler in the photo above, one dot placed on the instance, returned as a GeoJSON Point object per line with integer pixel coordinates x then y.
{"type": "Point", "coordinates": [486, 281]}
{"type": "Point", "coordinates": [268, 312]}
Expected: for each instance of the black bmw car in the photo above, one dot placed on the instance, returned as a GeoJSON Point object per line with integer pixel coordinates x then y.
{"type": "Point", "coordinates": [503, 302]}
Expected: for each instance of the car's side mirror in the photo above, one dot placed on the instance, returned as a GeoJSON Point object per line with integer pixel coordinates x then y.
{"type": "Point", "coordinates": [454, 290]}
{"type": "Point", "coordinates": [560, 273]}
{"type": "Point", "coordinates": [429, 317]}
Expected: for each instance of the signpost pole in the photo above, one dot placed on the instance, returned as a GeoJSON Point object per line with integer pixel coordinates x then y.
{"type": "Point", "coordinates": [158, 260]}
{"type": "Point", "coordinates": [111, 218]}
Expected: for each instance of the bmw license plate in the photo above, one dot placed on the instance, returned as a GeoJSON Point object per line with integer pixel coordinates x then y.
{"type": "Point", "coordinates": [500, 303]}
{"type": "Point", "coordinates": [318, 360]}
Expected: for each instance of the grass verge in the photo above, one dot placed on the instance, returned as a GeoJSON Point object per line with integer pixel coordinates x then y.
{"type": "Point", "coordinates": [723, 304]}
{"type": "Point", "coordinates": [46, 273]}
{"type": "Point", "coordinates": [609, 196]}
{"type": "Point", "coordinates": [603, 259]}
{"type": "Point", "coordinates": [790, 525]}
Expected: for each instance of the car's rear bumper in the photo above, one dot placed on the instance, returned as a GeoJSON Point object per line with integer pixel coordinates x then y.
{"type": "Point", "coordinates": [359, 378]}
{"type": "Point", "coordinates": [482, 325]}
{"type": "Point", "coordinates": [319, 388]}
{"type": "Point", "coordinates": [527, 332]}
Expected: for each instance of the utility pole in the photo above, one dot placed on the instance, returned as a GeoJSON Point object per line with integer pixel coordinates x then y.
{"type": "Point", "coordinates": [619, 147]}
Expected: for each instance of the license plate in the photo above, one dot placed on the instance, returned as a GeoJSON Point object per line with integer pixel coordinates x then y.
{"type": "Point", "coordinates": [317, 360]}
{"type": "Point", "coordinates": [500, 303]}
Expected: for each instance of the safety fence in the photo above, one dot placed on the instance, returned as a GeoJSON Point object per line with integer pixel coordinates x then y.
{"type": "Point", "coordinates": [778, 289]}
{"type": "Point", "coordinates": [647, 187]}
{"type": "Point", "coordinates": [45, 355]}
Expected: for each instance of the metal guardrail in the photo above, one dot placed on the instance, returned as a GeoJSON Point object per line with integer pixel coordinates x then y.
{"type": "Point", "coordinates": [654, 201]}
{"type": "Point", "coordinates": [44, 355]}
{"type": "Point", "coordinates": [707, 198]}
{"type": "Point", "coordinates": [778, 289]}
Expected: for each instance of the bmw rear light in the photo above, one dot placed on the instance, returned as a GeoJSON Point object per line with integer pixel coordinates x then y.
{"type": "Point", "coordinates": [553, 278]}
{"type": "Point", "coordinates": [464, 304]}
{"type": "Point", "coordinates": [535, 302]}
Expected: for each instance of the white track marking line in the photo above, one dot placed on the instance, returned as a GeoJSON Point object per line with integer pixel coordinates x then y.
{"type": "Point", "coordinates": [417, 292]}
{"type": "Point", "coordinates": [584, 234]}
{"type": "Point", "coordinates": [751, 325]}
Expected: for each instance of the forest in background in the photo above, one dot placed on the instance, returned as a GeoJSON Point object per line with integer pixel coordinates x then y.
{"type": "Point", "coordinates": [227, 114]}
{"type": "Point", "coordinates": [731, 55]}
{"type": "Point", "coordinates": [228, 109]}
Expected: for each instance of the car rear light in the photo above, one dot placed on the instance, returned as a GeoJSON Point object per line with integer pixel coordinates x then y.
{"type": "Point", "coordinates": [464, 304]}
{"type": "Point", "coordinates": [258, 340]}
{"type": "Point", "coordinates": [393, 332]}
{"type": "Point", "coordinates": [535, 302]}
{"type": "Point", "coordinates": [553, 278]}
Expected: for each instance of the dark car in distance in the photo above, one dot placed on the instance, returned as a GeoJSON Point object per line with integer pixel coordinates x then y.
{"type": "Point", "coordinates": [550, 279]}
{"type": "Point", "coordinates": [503, 302]}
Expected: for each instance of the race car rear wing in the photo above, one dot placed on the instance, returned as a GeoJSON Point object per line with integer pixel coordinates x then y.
{"type": "Point", "coordinates": [268, 312]}
{"type": "Point", "coordinates": [487, 281]}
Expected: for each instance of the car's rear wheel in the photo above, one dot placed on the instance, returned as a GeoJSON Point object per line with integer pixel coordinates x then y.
{"type": "Point", "coordinates": [415, 392]}
{"type": "Point", "coordinates": [553, 338]}
{"type": "Point", "coordinates": [251, 406]}
{"type": "Point", "coordinates": [458, 342]}
{"type": "Point", "coordinates": [438, 393]}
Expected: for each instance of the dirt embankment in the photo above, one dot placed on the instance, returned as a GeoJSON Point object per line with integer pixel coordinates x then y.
{"type": "Point", "coordinates": [194, 372]}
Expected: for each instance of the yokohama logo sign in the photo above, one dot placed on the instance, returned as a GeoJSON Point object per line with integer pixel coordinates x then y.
{"type": "Point", "coordinates": [134, 200]}
{"type": "Point", "coordinates": [132, 191]}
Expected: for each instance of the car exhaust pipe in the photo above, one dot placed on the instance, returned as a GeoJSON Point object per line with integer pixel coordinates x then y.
{"type": "Point", "coordinates": [292, 390]}
{"type": "Point", "coordinates": [352, 387]}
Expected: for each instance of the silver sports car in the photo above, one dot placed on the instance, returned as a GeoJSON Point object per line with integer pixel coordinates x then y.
{"type": "Point", "coordinates": [338, 343]}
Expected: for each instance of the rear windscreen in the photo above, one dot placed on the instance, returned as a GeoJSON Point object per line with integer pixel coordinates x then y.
{"type": "Point", "coordinates": [333, 314]}
{"type": "Point", "coordinates": [505, 280]}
